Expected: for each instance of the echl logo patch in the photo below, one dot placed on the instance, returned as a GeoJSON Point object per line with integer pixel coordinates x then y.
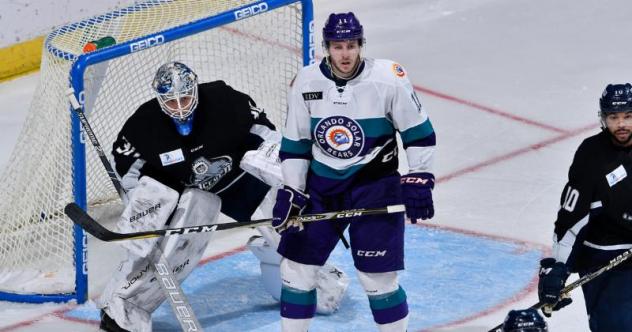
{"type": "Point", "coordinates": [398, 70]}
{"type": "Point", "coordinates": [339, 137]}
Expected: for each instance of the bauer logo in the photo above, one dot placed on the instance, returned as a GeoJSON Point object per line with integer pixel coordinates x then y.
{"type": "Point", "coordinates": [139, 215]}
{"type": "Point", "coordinates": [252, 10]}
{"type": "Point", "coordinates": [339, 137]}
{"type": "Point", "coordinates": [147, 43]}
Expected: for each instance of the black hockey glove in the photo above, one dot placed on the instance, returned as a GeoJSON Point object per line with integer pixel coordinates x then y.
{"type": "Point", "coordinates": [553, 277]}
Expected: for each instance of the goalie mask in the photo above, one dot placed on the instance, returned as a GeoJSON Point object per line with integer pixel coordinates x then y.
{"type": "Point", "coordinates": [176, 89]}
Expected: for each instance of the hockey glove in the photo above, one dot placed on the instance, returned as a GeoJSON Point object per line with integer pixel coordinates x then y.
{"type": "Point", "coordinates": [288, 202]}
{"type": "Point", "coordinates": [553, 277]}
{"type": "Point", "coordinates": [417, 193]}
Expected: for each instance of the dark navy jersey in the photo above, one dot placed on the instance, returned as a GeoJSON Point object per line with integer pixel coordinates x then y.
{"type": "Point", "coordinates": [589, 228]}
{"type": "Point", "coordinates": [208, 158]}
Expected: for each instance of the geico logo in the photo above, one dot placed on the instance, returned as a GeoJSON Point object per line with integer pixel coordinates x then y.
{"type": "Point", "coordinates": [414, 180]}
{"type": "Point", "coordinates": [252, 10]}
{"type": "Point", "coordinates": [147, 43]}
{"type": "Point", "coordinates": [371, 253]}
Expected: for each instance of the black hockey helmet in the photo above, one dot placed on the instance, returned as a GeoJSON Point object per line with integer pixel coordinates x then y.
{"type": "Point", "coordinates": [528, 320]}
{"type": "Point", "coordinates": [616, 98]}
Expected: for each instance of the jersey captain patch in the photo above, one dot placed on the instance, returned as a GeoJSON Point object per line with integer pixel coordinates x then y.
{"type": "Point", "coordinates": [339, 137]}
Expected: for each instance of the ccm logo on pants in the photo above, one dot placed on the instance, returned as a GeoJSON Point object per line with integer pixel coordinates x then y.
{"type": "Point", "coordinates": [371, 253]}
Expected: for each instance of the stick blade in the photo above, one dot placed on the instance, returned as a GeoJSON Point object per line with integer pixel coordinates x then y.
{"type": "Point", "coordinates": [81, 218]}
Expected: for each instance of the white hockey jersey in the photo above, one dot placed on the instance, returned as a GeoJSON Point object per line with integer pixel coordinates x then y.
{"type": "Point", "coordinates": [343, 131]}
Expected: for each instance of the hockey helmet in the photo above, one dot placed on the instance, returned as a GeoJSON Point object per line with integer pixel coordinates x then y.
{"type": "Point", "coordinates": [343, 26]}
{"type": "Point", "coordinates": [176, 88]}
{"type": "Point", "coordinates": [616, 98]}
{"type": "Point", "coordinates": [527, 320]}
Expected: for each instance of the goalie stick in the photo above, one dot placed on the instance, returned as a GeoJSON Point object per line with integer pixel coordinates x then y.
{"type": "Point", "coordinates": [565, 292]}
{"type": "Point", "coordinates": [80, 217]}
{"type": "Point", "coordinates": [162, 271]}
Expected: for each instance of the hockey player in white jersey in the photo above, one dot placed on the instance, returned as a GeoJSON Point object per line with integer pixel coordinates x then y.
{"type": "Point", "coordinates": [339, 151]}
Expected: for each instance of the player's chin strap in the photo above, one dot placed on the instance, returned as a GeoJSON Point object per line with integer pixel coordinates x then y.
{"type": "Point", "coordinates": [80, 217]}
{"type": "Point", "coordinates": [162, 271]}
{"type": "Point", "coordinates": [565, 292]}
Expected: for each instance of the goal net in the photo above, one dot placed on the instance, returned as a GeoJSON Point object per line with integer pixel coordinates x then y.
{"type": "Point", "coordinates": [255, 46]}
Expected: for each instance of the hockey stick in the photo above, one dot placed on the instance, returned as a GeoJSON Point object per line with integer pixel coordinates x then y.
{"type": "Point", "coordinates": [162, 271]}
{"type": "Point", "coordinates": [76, 107]}
{"type": "Point", "coordinates": [565, 292]}
{"type": "Point", "coordinates": [80, 217]}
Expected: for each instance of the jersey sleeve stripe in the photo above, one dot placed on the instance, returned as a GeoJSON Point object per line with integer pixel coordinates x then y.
{"type": "Point", "coordinates": [417, 132]}
{"type": "Point", "coordinates": [430, 140]}
{"type": "Point", "coordinates": [302, 147]}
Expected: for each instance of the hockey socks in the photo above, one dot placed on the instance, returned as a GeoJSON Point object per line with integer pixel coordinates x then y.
{"type": "Point", "coordinates": [390, 311]}
{"type": "Point", "coordinates": [297, 308]}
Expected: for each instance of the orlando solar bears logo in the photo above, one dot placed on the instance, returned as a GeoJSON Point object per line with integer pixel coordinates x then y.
{"type": "Point", "coordinates": [339, 137]}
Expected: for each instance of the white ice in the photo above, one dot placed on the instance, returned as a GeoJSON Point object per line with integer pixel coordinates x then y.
{"type": "Point", "coordinates": [511, 88]}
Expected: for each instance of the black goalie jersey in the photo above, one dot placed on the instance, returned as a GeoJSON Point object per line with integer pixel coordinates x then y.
{"type": "Point", "coordinates": [591, 227]}
{"type": "Point", "coordinates": [208, 158]}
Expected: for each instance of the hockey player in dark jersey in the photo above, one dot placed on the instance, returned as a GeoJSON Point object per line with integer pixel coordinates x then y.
{"type": "Point", "coordinates": [592, 225]}
{"type": "Point", "coordinates": [180, 154]}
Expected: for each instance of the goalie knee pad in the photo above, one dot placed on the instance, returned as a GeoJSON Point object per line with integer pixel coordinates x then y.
{"type": "Point", "coordinates": [133, 291]}
{"type": "Point", "coordinates": [387, 300]}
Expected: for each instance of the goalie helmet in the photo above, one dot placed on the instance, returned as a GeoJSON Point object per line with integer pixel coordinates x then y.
{"type": "Point", "coordinates": [528, 320]}
{"type": "Point", "coordinates": [343, 26]}
{"type": "Point", "coordinates": [176, 88]}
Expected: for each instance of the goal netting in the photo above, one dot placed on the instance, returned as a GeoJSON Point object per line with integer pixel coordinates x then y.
{"type": "Point", "coordinates": [255, 46]}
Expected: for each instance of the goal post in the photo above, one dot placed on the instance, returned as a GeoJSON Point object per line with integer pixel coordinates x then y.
{"type": "Point", "coordinates": [255, 46]}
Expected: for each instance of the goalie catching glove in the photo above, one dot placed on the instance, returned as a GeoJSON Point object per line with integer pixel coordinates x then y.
{"type": "Point", "coordinates": [288, 202]}
{"type": "Point", "coordinates": [417, 194]}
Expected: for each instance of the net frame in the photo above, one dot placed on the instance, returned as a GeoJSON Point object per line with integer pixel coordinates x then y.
{"type": "Point", "coordinates": [84, 63]}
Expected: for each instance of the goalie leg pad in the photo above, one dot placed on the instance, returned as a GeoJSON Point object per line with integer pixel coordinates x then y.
{"type": "Point", "coordinates": [134, 291]}
{"type": "Point", "coordinates": [148, 208]}
{"type": "Point", "coordinates": [387, 300]}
